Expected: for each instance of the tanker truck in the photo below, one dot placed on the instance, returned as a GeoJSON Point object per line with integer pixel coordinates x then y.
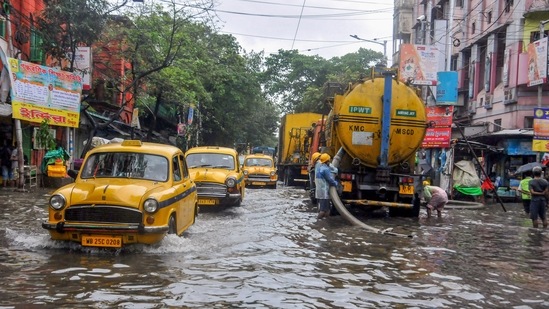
{"type": "Point", "coordinates": [372, 132]}
{"type": "Point", "coordinates": [294, 142]}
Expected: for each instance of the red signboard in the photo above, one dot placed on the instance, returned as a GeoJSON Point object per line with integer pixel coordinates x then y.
{"type": "Point", "coordinates": [437, 138]}
{"type": "Point", "coordinates": [439, 134]}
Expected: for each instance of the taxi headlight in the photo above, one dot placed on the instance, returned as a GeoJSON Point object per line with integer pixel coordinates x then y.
{"type": "Point", "coordinates": [150, 205]}
{"type": "Point", "coordinates": [246, 173]}
{"type": "Point", "coordinates": [230, 182]}
{"type": "Point", "coordinates": [273, 173]}
{"type": "Point", "coordinates": [57, 201]}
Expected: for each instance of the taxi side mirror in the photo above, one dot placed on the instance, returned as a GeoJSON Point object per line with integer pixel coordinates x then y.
{"type": "Point", "coordinates": [72, 173]}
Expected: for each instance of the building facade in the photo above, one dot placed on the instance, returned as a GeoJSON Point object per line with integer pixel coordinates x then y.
{"type": "Point", "coordinates": [489, 42]}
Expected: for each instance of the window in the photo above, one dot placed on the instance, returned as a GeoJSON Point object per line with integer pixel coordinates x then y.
{"type": "Point", "coordinates": [489, 17]}
{"type": "Point", "coordinates": [176, 169]}
{"type": "Point", "coordinates": [459, 3]}
{"type": "Point", "coordinates": [36, 52]}
{"type": "Point", "coordinates": [2, 27]}
{"type": "Point", "coordinates": [508, 5]}
{"type": "Point", "coordinates": [497, 125]}
{"type": "Point", "coordinates": [534, 35]}
{"type": "Point", "coordinates": [473, 28]}
{"type": "Point", "coordinates": [528, 122]}
{"type": "Point", "coordinates": [184, 165]}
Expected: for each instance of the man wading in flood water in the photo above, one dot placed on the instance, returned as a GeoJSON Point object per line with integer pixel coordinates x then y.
{"type": "Point", "coordinates": [538, 188]}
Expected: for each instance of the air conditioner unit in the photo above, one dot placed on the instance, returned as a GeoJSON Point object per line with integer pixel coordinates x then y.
{"type": "Point", "coordinates": [471, 108]}
{"type": "Point", "coordinates": [488, 102]}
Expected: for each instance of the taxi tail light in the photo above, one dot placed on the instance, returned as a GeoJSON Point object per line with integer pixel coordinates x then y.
{"type": "Point", "coordinates": [407, 180]}
{"type": "Point", "coordinates": [346, 176]}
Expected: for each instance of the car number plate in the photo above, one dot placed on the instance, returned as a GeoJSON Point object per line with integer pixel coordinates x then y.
{"type": "Point", "coordinates": [207, 202]}
{"type": "Point", "coordinates": [406, 189]}
{"type": "Point", "coordinates": [257, 183]}
{"type": "Point", "coordinates": [102, 241]}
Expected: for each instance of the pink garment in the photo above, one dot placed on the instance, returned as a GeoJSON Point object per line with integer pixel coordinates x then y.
{"type": "Point", "coordinates": [439, 198]}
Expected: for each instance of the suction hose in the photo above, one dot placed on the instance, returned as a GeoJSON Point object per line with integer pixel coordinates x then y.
{"type": "Point", "coordinates": [346, 214]}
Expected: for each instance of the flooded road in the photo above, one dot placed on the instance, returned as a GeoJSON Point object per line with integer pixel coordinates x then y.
{"type": "Point", "coordinates": [273, 253]}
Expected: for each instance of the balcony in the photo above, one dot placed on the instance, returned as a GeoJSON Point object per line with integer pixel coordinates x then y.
{"type": "Point", "coordinates": [536, 6]}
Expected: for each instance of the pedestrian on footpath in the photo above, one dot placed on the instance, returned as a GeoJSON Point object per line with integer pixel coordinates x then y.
{"type": "Point", "coordinates": [538, 205]}
{"type": "Point", "coordinates": [323, 181]}
{"type": "Point", "coordinates": [435, 197]}
{"type": "Point", "coordinates": [5, 157]}
{"type": "Point", "coordinates": [15, 165]}
{"type": "Point", "coordinates": [524, 189]}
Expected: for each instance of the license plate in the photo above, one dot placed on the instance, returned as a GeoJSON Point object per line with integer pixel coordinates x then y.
{"type": "Point", "coordinates": [347, 186]}
{"type": "Point", "coordinates": [257, 183]}
{"type": "Point", "coordinates": [405, 189]}
{"type": "Point", "coordinates": [207, 201]}
{"type": "Point", "coordinates": [102, 241]}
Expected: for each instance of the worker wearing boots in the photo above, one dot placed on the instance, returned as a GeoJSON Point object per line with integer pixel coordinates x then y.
{"type": "Point", "coordinates": [323, 180]}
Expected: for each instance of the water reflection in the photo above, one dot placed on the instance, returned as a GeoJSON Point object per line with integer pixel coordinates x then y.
{"type": "Point", "coordinates": [273, 253]}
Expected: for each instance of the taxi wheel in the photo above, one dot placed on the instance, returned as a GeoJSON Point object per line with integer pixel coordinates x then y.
{"type": "Point", "coordinates": [172, 228]}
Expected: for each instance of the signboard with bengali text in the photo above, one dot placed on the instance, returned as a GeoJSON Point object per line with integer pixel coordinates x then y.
{"type": "Point", "coordinates": [540, 142]}
{"type": "Point", "coordinates": [41, 92]}
{"type": "Point", "coordinates": [439, 134]}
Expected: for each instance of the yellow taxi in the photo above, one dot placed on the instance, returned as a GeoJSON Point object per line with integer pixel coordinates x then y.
{"type": "Point", "coordinates": [260, 170]}
{"type": "Point", "coordinates": [217, 174]}
{"type": "Point", "coordinates": [125, 193]}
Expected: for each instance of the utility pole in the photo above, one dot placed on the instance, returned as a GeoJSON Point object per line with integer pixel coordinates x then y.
{"type": "Point", "coordinates": [384, 44]}
{"type": "Point", "coordinates": [17, 122]}
{"type": "Point", "coordinates": [449, 36]}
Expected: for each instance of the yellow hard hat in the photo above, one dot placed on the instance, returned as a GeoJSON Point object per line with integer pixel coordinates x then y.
{"type": "Point", "coordinates": [325, 157]}
{"type": "Point", "coordinates": [426, 182]}
{"type": "Point", "coordinates": [315, 156]}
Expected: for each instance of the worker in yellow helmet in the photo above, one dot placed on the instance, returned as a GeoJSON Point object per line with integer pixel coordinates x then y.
{"type": "Point", "coordinates": [323, 180]}
{"type": "Point", "coordinates": [311, 170]}
{"type": "Point", "coordinates": [435, 197]}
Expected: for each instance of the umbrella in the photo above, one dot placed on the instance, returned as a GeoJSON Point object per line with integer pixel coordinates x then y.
{"type": "Point", "coordinates": [528, 167]}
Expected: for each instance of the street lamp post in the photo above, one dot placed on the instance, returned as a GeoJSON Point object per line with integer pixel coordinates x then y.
{"type": "Point", "coordinates": [384, 44]}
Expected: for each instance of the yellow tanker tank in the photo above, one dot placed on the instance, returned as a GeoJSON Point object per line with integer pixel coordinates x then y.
{"type": "Point", "coordinates": [356, 122]}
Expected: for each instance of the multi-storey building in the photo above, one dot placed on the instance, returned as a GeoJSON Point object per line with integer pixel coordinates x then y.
{"type": "Point", "coordinates": [489, 41]}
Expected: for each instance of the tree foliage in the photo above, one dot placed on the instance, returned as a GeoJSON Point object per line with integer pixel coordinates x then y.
{"type": "Point", "coordinates": [296, 81]}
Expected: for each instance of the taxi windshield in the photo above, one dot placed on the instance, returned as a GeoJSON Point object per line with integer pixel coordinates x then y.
{"type": "Point", "coordinates": [213, 160]}
{"type": "Point", "coordinates": [258, 162]}
{"type": "Point", "coordinates": [126, 165]}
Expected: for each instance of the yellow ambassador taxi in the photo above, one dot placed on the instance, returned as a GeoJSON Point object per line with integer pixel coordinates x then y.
{"type": "Point", "coordinates": [260, 170]}
{"type": "Point", "coordinates": [125, 193]}
{"type": "Point", "coordinates": [217, 174]}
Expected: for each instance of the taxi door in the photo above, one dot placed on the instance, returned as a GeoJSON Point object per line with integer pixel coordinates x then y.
{"type": "Point", "coordinates": [185, 192]}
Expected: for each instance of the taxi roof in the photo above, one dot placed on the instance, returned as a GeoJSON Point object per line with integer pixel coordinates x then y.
{"type": "Point", "coordinates": [138, 146]}
{"type": "Point", "coordinates": [258, 155]}
{"type": "Point", "coordinates": [212, 149]}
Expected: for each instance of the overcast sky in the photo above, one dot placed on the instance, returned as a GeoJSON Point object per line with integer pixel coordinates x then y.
{"type": "Point", "coordinates": [321, 27]}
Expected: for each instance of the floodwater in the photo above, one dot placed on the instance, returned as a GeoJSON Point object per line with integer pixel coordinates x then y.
{"type": "Point", "coordinates": [273, 253]}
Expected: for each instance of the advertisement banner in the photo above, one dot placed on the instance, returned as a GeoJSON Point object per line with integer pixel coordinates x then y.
{"type": "Point", "coordinates": [540, 141]}
{"type": "Point", "coordinates": [447, 88]}
{"type": "Point", "coordinates": [83, 65]}
{"type": "Point", "coordinates": [440, 116]}
{"type": "Point", "coordinates": [419, 64]}
{"type": "Point", "coordinates": [439, 134]}
{"type": "Point", "coordinates": [437, 138]}
{"type": "Point", "coordinates": [41, 92]}
{"type": "Point", "coordinates": [537, 62]}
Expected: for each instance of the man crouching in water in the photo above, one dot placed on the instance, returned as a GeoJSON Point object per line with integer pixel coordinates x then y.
{"type": "Point", "coordinates": [538, 188]}
{"type": "Point", "coordinates": [323, 180]}
{"type": "Point", "coordinates": [435, 197]}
